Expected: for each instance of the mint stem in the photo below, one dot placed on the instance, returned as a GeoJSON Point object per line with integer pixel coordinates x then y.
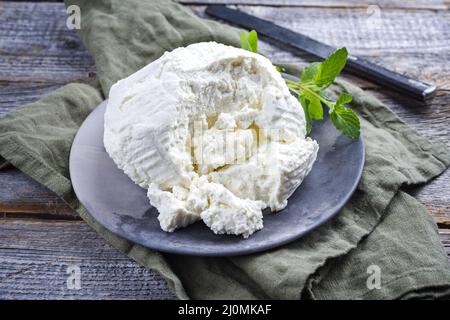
{"type": "Point", "coordinates": [294, 86]}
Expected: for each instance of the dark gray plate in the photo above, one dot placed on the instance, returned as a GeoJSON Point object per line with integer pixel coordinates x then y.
{"type": "Point", "coordinates": [123, 208]}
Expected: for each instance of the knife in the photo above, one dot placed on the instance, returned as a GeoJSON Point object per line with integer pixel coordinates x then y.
{"type": "Point", "coordinates": [360, 67]}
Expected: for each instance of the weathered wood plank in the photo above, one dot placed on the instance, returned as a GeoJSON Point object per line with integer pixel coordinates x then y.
{"type": "Point", "coordinates": [16, 94]}
{"type": "Point", "coordinates": [391, 4]}
{"type": "Point", "coordinates": [445, 239]}
{"type": "Point", "coordinates": [37, 46]}
{"type": "Point", "coordinates": [391, 31]}
{"type": "Point", "coordinates": [21, 196]}
{"type": "Point", "coordinates": [35, 256]}
{"type": "Point", "coordinates": [431, 120]}
{"type": "Point", "coordinates": [435, 197]}
{"type": "Point", "coordinates": [445, 236]}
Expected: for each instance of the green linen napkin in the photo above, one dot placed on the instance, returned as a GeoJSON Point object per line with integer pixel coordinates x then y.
{"type": "Point", "coordinates": [381, 231]}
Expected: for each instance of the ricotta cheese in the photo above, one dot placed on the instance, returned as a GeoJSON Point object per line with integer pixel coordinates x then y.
{"type": "Point", "coordinates": [213, 133]}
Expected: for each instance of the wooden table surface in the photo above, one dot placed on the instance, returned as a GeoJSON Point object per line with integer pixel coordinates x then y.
{"type": "Point", "coordinates": [40, 237]}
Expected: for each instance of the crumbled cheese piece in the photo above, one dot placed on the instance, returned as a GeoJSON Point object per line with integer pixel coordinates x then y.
{"type": "Point", "coordinates": [217, 148]}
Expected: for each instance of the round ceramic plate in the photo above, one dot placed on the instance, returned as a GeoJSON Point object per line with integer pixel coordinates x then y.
{"type": "Point", "coordinates": [123, 207]}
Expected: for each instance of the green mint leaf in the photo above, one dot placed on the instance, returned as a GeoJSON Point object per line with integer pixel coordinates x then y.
{"type": "Point", "coordinates": [280, 68]}
{"type": "Point", "coordinates": [253, 41]}
{"type": "Point", "coordinates": [315, 108]}
{"type": "Point", "coordinates": [309, 72]}
{"type": "Point", "coordinates": [346, 121]}
{"type": "Point", "coordinates": [305, 105]}
{"type": "Point", "coordinates": [244, 41]}
{"type": "Point", "coordinates": [343, 99]}
{"type": "Point", "coordinates": [249, 41]}
{"type": "Point", "coordinates": [329, 69]}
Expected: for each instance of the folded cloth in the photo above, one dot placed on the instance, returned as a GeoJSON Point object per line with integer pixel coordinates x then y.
{"type": "Point", "coordinates": [383, 244]}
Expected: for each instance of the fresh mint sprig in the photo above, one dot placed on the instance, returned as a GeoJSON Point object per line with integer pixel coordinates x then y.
{"type": "Point", "coordinates": [314, 79]}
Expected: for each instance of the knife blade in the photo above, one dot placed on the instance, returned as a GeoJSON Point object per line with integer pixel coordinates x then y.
{"type": "Point", "coordinates": [358, 66]}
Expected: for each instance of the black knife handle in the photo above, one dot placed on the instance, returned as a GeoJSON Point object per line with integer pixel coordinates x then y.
{"type": "Point", "coordinates": [358, 66]}
{"type": "Point", "coordinates": [413, 88]}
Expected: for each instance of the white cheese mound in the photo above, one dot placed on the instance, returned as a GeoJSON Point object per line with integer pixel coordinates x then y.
{"type": "Point", "coordinates": [213, 133]}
